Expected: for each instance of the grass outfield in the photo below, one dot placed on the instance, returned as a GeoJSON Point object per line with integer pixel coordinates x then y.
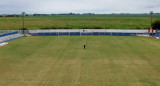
{"type": "Point", "coordinates": [61, 61]}
{"type": "Point", "coordinates": [80, 22]}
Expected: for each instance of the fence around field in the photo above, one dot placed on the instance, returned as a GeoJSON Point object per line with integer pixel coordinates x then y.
{"type": "Point", "coordinates": [10, 33]}
{"type": "Point", "coordinates": [56, 32]}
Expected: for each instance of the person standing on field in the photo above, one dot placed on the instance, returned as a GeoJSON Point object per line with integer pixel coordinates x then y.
{"type": "Point", "coordinates": [84, 46]}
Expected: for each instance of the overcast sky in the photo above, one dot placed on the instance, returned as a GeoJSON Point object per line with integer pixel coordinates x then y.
{"type": "Point", "coordinates": [78, 6]}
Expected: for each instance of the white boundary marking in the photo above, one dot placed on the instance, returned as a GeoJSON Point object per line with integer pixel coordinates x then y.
{"type": "Point", "coordinates": [3, 44]}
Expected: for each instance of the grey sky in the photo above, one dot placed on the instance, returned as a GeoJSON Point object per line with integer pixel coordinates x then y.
{"type": "Point", "coordinates": [78, 6]}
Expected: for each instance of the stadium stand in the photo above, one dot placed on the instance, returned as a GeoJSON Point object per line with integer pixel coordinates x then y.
{"type": "Point", "coordinates": [109, 32]}
{"type": "Point", "coordinates": [157, 34]}
{"type": "Point", "coordinates": [9, 36]}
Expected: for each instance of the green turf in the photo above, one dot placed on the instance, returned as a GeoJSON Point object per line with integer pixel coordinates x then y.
{"type": "Point", "coordinates": [80, 22]}
{"type": "Point", "coordinates": [61, 61]}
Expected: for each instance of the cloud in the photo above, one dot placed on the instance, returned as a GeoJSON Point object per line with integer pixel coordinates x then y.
{"type": "Point", "coordinates": [78, 6]}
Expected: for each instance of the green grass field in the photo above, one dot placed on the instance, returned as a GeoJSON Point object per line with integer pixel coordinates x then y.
{"type": "Point", "coordinates": [80, 22]}
{"type": "Point", "coordinates": [61, 61]}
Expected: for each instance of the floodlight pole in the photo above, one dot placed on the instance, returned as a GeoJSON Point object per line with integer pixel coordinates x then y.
{"type": "Point", "coordinates": [23, 18]}
{"type": "Point", "coordinates": [151, 12]}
